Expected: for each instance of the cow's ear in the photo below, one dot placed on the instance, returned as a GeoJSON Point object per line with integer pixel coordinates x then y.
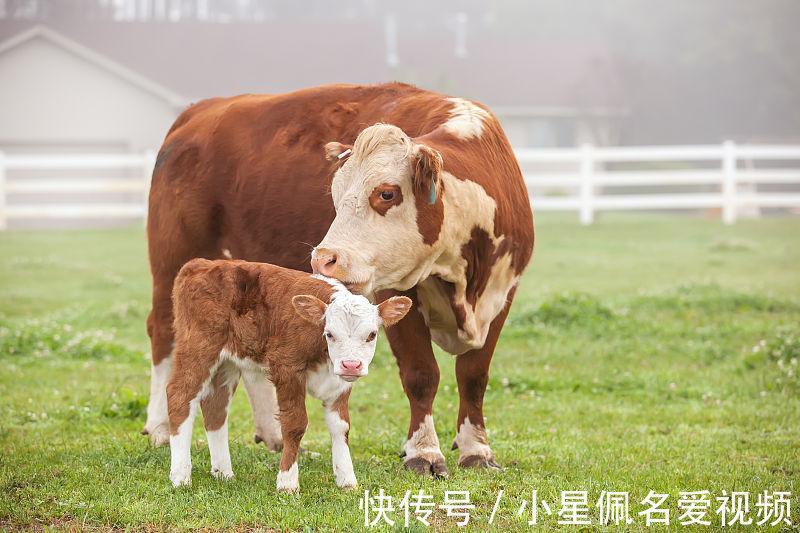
{"type": "Point", "coordinates": [394, 309]}
{"type": "Point", "coordinates": [427, 170]}
{"type": "Point", "coordinates": [338, 152]}
{"type": "Point", "coordinates": [309, 307]}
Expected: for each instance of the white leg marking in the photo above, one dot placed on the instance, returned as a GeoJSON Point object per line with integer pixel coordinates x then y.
{"type": "Point", "coordinates": [287, 481]}
{"type": "Point", "coordinates": [342, 463]}
{"type": "Point", "coordinates": [180, 472]}
{"type": "Point", "coordinates": [220, 453]}
{"type": "Point", "coordinates": [424, 442]}
{"type": "Point", "coordinates": [472, 440]}
{"type": "Point", "coordinates": [157, 425]}
{"type": "Point", "coordinates": [264, 404]}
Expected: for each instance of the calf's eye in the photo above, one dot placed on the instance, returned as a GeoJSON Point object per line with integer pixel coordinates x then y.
{"type": "Point", "coordinates": [372, 336]}
{"type": "Point", "coordinates": [329, 335]}
{"type": "Point", "coordinates": [387, 195]}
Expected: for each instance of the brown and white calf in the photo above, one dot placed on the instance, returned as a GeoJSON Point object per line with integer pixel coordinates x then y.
{"type": "Point", "coordinates": [260, 322]}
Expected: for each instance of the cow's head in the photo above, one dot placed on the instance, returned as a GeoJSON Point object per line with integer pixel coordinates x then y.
{"type": "Point", "coordinates": [387, 195]}
{"type": "Point", "coordinates": [351, 327]}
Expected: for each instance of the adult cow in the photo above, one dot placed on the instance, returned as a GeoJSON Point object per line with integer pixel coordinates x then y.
{"type": "Point", "coordinates": [428, 202]}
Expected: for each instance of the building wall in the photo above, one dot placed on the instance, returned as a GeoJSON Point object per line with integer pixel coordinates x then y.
{"type": "Point", "coordinates": [51, 97]}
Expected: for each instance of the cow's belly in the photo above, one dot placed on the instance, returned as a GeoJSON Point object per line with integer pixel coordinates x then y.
{"type": "Point", "coordinates": [469, 331]}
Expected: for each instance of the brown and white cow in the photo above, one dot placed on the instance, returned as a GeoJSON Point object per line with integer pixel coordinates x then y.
{"type": "Point", "coordinates": [429, 203]}
{"type": "Point", "coordinates": [258, 322]}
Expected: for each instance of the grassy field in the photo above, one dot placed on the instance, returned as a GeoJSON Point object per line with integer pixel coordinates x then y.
{"type": "Point", "coordinates": [642, 353]}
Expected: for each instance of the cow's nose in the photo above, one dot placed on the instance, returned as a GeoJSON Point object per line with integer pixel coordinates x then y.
{"type": "Point", "coordinates": [324, 262]}
{"type": "Point", "coordinates": [351, 366]}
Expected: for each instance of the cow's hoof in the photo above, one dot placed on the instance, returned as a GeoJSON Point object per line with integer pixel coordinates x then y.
{"type": "Point", "coordinates": [159, 436]}
{"type": "Point", "coordinates": [273, 445]}
{"type": "Point", "coordinates": [289, 490]}
{"type": "Point", "coordinates": [479, 462]}
{"type": "Point", "coordinates": [435, 467]}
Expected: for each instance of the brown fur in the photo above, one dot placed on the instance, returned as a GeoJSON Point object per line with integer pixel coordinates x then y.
{"type": "Point", "coordinates": [245, 174]}
{"type": "Point", "coordinates": [380, 205]}
{"type": "Point", "coordinates": [246, 309]}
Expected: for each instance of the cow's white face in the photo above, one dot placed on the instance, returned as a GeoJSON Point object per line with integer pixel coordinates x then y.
{"type": "Point", "coordinates": [351, 325]}
{"type": "Point", "coordinates": [375, 240]}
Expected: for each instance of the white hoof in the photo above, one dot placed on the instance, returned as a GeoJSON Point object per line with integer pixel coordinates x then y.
{"type": "Point", "coordinates": [180, 479]}
{"type": "Point", "coordinates": [222, 474]}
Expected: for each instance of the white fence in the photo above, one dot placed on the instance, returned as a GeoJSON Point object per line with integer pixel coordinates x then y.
{"type": "Point", "coordinates": [580, 175]}
{"type": "Point", "coordinates": [731, 172]}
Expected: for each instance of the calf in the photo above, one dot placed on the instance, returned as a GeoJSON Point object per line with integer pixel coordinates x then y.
{"type": "Point", "coordinates": [262, 322]}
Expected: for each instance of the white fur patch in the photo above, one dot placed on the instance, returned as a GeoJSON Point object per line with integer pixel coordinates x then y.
{"type": "Point", "coordinates": [288, 480]}
{"type": "Point", "coordinates": [340, 451]}
{"type": "Point", "coordinates": [322, 384]}
{"type": "Point", "coordinates": [472, 440]}
{"type": "Point", "coordinates": [467, 120]}
{"type": "Point", "coordinates": [157, 417]}
{"type": "Point", "coordinates": [424, 441]}
{"type": "Point", "coordinates": [220, 453]}
{"type": "Point", "coordinates": [180, 471]}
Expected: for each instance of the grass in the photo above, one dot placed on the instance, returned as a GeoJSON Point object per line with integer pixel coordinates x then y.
{"type": "Point", "coordinates": [642, 353]}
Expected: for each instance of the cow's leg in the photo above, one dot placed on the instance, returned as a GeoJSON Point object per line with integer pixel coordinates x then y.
{"type": "Point", "coordinates": [337, 417]}
{"type": "Point", "coordinates": [261, 393]}
{"type": "Point", "coordinates": [291, 393]}
{"type": "Point", "coordinates": [215, 418]}
{"type": "Point", "coordinates": [472, 374]}
{"type": "Point", "coordinates": [159, 328]}
{"type": "Point", "coordinates": [410, 340]}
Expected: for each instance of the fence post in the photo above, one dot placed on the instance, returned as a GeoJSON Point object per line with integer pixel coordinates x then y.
{"type": "Point", "coordinates": [728, 182]}
{"type": "Point", "coordinates": [3, 223]}
{"type": "Point", "coordinates": [587, 185]}
{"type": "Point", "coordinates": [148, 164]}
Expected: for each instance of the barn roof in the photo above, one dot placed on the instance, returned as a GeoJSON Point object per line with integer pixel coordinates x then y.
{"type": "Point", "coordinates": [105, 63]}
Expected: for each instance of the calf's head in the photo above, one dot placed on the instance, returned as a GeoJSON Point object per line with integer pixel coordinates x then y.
{"type": "Point", "coordinates": [387, 195]}
{"type": "Point", "coordinates": [350, 326]}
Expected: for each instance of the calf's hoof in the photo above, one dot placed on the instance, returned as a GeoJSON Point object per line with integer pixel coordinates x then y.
{"type": "Point", "coordinates": [427, 466]}
{"type": "Point", "coordinates": [159, 435]}
{"type": "Point", "coordinates": [479, 462]}
{"type": "Point", "coordinates": [272, 444]}
{"type": "Point", "coordinates": [222, 474]}
{"type": "Point", "coordinates": [180, 479]}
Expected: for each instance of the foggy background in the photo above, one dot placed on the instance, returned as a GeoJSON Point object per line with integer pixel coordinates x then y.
{"type": "Point", "coordinates": [109, 77]}
{"type": "Point", "coordinates": [611, 72]}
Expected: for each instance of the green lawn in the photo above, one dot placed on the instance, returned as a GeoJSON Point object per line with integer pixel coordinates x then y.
{"type": "Point", "coordinates": [642, 353]}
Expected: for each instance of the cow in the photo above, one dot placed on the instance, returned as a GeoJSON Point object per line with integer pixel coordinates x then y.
{"type": "Point", "coordinates": [236, 319]}
{"type": "Point", "coordinates": [417, 194]}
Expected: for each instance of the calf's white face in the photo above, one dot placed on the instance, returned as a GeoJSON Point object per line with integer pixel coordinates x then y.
{"type": "Point", "coordinates": [351, 327]}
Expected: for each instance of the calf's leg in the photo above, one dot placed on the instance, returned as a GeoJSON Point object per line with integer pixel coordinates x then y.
{"type": "Point", "coordinates": [215, 418]}
{"type": "Point", "coordinates": [410, 341]}
{"type": "Point", "coordinates": [337, 418]}
{"type": "Point", "coordinates": [472, 374]}
{"type": "Point", "coordinates": [291, 392]}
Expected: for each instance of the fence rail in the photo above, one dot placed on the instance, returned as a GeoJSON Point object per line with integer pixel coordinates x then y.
{"type": "Point", "coordinates": [717, 166]}
{"type": "Point", "coordinates": [581, 175]}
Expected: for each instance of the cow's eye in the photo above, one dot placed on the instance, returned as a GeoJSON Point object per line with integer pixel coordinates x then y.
{"type": "Point", "coordinates": [329, 335]}
{"type": "Point", "coordinates": [387, 195]}
{"type": "Point", "coordinates": [372, 336]}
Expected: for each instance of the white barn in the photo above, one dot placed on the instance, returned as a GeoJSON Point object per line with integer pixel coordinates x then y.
{"type": "Point", "coordinates": [58, 96]}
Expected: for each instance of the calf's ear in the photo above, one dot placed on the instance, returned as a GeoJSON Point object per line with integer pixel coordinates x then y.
{"type": "Point", "coordinates": [394, 309]}
{"type": "Point", "coordinates": [427, 168]}
{"type": "Point", "coordinates": [309, 307]}
{"type": "Point", "coordinates": [338, 152]}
